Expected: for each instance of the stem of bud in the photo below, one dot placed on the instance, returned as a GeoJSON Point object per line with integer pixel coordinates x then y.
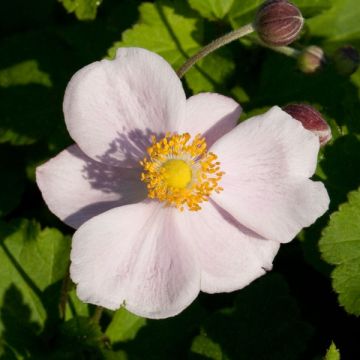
{"type": "Point", "coordinates": [286, 50]}
{"type": "Point", "coordinates": [214, 45]}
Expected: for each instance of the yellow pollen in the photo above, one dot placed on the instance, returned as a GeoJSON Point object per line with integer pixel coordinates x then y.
{"type": "Point", "coordinates": [177, 173]}
{"type": "Point", "coordinates": [180, 172]}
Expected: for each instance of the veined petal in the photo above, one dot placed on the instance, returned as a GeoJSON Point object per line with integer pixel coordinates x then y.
{"type": "Point", "coordinates": [212, 115]}
{"type": "Point", "coordinates": [113, 107]}
{"type": "Point", "coordinates": [76, 188]}
{"type": "Point", "coordinates": [267, 161]}
{"type": "Point", "coordinates": [136, 255]}
{"type": "Point", "coordinates": [231, 256]}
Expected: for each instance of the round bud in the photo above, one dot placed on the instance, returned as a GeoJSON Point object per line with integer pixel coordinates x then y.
{"type": "Point", "coordinates": [311, 119]}
{"type": "Point", "coordinates": [278, 22]}
{"type": "Point", "coordinates": [346, 60]}
{"type": "Point", "coordinates": [311, 59]}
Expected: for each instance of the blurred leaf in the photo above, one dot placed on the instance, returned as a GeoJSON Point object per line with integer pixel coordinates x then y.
{"type": "Point", "coordinates": [24, 73]}
{"type": "Point", "coordinates": [204, 346]}
{"type": "Point", "coordinates": [340, 245]}
{"type": "Point", "coordinates": [333, 353]}
{"type": "Point", "coordinates": [218, 65]}
{"type": "Point", "coordinates": [339, 24]}
{"type": "Point", "coordinates": [310, 8]}
{"type": "Point", "coordinates": [212, 9]}
{"type": "Point", "coordinates": [31, 260]}
{"type": "Point", "coordinates": [243, 12]}
{"type": "Point", "coordinates": [84, 9]}
{"type": "Point", "coordinates": [174, 31]}
{"type": "Point", "coordinates": [124, 326]}
{"type": "Point", "coordinates": [30, 91]}
{"type": "Point", "coordinates": [265, 317]}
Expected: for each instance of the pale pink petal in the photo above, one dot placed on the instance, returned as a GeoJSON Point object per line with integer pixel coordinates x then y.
{"type": "Point", "coordinates": [231, 256]}
{"type": "Point", "coordinates": [210, 114]}
{"type": "Point", "coordinates": [113, 107]}
{"type": "Point", "coordinates": [76, 188]}
{"type": "Point", "coordinates": [136, 256]}
{"type": "Point", "coordinates": [267, 161]}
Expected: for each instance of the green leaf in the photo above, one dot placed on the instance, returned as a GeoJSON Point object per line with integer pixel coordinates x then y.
{"type": "Point", "coordinates": [312, 7]}
{"type": "Point", "coordinates": [340, 246]}
{"type": "Point", "coordinates": [212, 9]}
{"type": "Point", "coordinates": [174, 31]}
{"type": "Point", "coordinates": [75, 306]}
{"type": "Point", "coordinates": [31, 260]}
{"type": "Point", "coordinates": [84, 9]}
{"type": "Point", "coordinates": [243, 12]}
{"type": "Point", "coordinates": [14, 78]}
{"type": "Point", "coordinates": [124, 326]}
{"type": "Point", "coordinates": [333, 353]}
{"type": "Point", "coordinates": [204, 346]}
{"type": "Point", "coordinates": [339, 24]}
{"type": "Point", "coordinates": [24, 73]}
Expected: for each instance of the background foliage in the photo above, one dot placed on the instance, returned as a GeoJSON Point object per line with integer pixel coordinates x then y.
{"type": "Point", "coordinates": [293, 313]}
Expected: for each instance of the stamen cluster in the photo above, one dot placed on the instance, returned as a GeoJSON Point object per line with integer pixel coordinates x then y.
{"type": "Point", "coordinates": [204, 168]}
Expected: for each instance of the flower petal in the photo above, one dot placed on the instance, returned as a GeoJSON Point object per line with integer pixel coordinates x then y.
{"type": "Point", "coordinates": [136, 255]}
{"type": "Point", "coordinates": [231, 256]}
{"type": "Point", "coordinates": [210, 114]}
{"type": "Point", "coordinates": [76, 188]}
{"type": "Point", "coordinates": [113, 107]}
{"type": "Point", "coordinates": [267, 161]}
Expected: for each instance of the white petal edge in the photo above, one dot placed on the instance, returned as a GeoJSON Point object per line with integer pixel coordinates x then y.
{"type": "Point", "coordinates": [112, 107]}
{"type": "Point", "coordinates": [209, 114]}
{"type": "Point", "coordinates": [231, 256]}
{"type": "Point", "coordinates": [77, 188]}
{"type": "Point", "coordinates": [135, 256]}
{"type": "Point", "coordinates": [267, 161]}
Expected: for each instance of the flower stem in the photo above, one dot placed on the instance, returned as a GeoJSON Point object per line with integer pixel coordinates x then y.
{"type": "Point", "coordinates": [64, 294]}
{"type": "Point", "coordinates": [97, 314]}
{"type": "Point", "coordinates": [214, 45]}
{"type": "Point", "coordinates": [286, 50]}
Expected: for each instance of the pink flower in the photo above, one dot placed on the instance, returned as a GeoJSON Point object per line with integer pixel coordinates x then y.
{"type": "Point", "coordinates": [150, 236]}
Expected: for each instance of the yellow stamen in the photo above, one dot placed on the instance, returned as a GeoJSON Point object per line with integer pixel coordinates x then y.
{"type": "Point", "coordinates": [179, 172]}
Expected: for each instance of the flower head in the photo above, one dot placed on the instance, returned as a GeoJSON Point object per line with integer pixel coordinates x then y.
{"type": "Point", "coordinates": [168, 195]}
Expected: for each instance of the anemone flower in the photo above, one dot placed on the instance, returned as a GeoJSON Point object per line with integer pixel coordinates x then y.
{"type": "Point", "coordinates": [169, 195]}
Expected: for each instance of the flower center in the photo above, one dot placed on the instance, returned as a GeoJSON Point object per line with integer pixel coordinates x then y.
{"type": "Point", "coordinates": [179, 172]}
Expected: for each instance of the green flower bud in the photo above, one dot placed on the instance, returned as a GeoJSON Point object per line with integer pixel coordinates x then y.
{"type": "Point", "coordinates": [311, 59]}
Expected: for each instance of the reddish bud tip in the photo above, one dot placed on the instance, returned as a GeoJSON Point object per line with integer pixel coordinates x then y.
{"type": "Point", "coordinates": [311, 59]}
{"type": "Point", "coordinates": [346, 60]}
{"type": "Point", "coordinates": [278, 22]}
{"type": "Point", "coordinates": [311, 119]}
